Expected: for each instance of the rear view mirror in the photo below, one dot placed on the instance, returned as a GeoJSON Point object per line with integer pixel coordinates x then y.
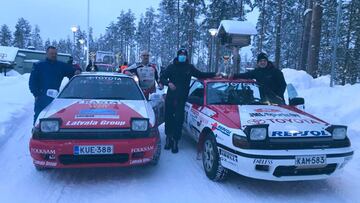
{"type": "Point", "coordinates": [52, 93]}
{"type": "Point", "coordinates": [296, 101]}
{"type": "Point", "coordinates": [195, 100]}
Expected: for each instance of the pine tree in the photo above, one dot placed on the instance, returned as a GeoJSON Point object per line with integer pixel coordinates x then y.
{"type": "Point", "coordinates": [36, 40]}
{"type": "Point", "coordinates": [5, 36]}
{"type": "Point", "coordinates": [167, 22]}
{"type": "Point", "coordinates": [22, 34]}
{"type": "Point", "coordinates": [47, 43]}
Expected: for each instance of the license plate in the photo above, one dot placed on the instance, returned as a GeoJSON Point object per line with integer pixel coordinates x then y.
{"type": "Point", "coordinates": [310, 161]}
{"type": "Point", "coordinates": [93, 149]}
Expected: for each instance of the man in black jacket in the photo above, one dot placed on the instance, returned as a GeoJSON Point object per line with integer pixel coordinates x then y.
{"type": "Point", "coordinates": [266, 74]}
{"type": "Point", "coordinates": [177, 77]}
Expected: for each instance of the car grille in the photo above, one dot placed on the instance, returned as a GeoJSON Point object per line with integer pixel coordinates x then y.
{"type": "Point", "coordinates": [93, 159]}
{"type": "Point", "coordinates": [90, 134]}
{"type": "Point", "coordinates": [292, 143]}
{"type": "Point", "coordinates": [293, 171]}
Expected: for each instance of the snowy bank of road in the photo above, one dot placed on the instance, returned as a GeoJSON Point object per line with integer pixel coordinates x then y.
{"type": "Point", "coordinates": [15, 102]}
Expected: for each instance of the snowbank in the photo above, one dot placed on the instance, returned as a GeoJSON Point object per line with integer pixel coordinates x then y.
{"type": "Point", "coordinates": [338, 105]}
{"type": "Point", "coordinates": [14, 101]}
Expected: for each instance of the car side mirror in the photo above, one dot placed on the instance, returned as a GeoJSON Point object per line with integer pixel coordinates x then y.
{"type": "Point", "coordinates": [195, 100]}
{"type": "Point", "coordinates": [52, 93]}
{"type": "Point", "coordinates": [296, 101]}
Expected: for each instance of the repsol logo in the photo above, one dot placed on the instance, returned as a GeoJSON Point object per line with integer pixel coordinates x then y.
{"type": "Point", "coordinates": [307, 133]}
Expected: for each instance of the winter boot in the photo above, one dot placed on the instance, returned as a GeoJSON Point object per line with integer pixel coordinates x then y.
{"type": "Point", "coordinates": [168, 142]}
{"type": "Point", "coordinates": [174, 147]}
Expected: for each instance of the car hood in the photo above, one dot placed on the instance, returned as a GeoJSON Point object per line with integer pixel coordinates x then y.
{"type": "Point", "coordinates": [284, 121]}
{"type": "Point", "coordinates": [76, 113]}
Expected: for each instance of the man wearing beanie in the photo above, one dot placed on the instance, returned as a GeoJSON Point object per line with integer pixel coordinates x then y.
{"type": "Point", "coordinates": [267, 75]}
{"type": "Point", "coordinates": [177, 77]}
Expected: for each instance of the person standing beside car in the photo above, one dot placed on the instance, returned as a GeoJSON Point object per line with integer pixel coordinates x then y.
{"type": "Point", "coordinates": [146, 72]}
{"type": "Point", "coordinates": [177, 77]}
{"type": "Point", "coordinates": [46, 75]}
{"type": "Point", "coordinates": [267, 75]}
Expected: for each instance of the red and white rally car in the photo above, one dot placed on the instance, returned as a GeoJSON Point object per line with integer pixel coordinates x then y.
{"type": "Point", "coordinates": [97, 120]}
{"type": "Point", "coordinates": [242, 127]}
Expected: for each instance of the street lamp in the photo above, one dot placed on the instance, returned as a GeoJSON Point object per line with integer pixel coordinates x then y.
{"type": "Point", "coordinates": [74, 29]}
{"type": "Point", "coordinates": [82, 42]}
{"type": "Point", "coordinates": [213, 32]}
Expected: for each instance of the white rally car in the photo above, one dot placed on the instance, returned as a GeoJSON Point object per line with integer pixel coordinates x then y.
{"type": "Point", "coordinates": [239, 126]}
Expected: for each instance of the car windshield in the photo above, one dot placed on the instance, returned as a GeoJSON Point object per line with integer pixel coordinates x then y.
{"type": "Point", "coordinates": [105, 68]}
{"type": "Point", "coordinates": [240, 93]}
{"type": "Point", "coordinates": [102, 87]}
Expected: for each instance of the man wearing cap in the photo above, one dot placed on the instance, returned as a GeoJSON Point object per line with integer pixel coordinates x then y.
{"type": "Point", "coordinates": [177, 77]}
{"type": "Point", "coordinates": [146, 72]}
{"type": "Point", "coordinates": [266, 74]}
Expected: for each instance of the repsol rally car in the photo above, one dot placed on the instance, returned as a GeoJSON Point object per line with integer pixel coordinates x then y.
{"type": "Point", "coordinates": [97, 120]}
{"type": "Point", "coordinates": [242, 127]}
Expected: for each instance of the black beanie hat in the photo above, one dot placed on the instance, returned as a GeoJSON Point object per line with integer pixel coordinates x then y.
{"type": "Point", "coordinates": [182, 52]}
{"type": "Point", "coordinates": [262, 56]}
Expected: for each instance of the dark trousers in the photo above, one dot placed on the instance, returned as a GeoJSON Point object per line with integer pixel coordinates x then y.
{"type": "Point", "coordinates": [40, 103]}
{"type": "Point", "coordinates": [174, 117]}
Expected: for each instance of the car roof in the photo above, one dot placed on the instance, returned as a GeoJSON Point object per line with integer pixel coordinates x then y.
{"type": "Point", "coordinates": [103, 74]}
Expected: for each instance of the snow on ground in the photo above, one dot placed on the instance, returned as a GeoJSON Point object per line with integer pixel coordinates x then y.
{"type": "Point", "coordinates": [177, 178]}
{"type": "Point", "coordinates": [15, 98]}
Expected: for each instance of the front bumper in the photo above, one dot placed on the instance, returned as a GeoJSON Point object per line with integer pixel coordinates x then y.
{"type": "Point", "coordinates": [279, 165]}
{"type": "Point", "coordinates": [60, 153]}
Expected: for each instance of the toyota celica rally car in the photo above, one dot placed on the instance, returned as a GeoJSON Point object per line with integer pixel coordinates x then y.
{"type": "Point", "coordinates": [97, 120]}
{"type": "Point", "coordinates": [242, 127]}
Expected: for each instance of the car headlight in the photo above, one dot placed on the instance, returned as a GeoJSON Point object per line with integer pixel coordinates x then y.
{"type": "Point", "coordinates": [139, 124]}
{"type": "Point", "coordinates": [338, 132]}
{"type": "Point", "coordinates": [258, 133]}
{"type": "Point", "coordinates": [49, 125]}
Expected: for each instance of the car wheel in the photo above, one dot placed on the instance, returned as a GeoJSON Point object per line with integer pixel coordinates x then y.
{"type": "Point", "coordinates": [211, 160]}
{"type": "Point", "coordinates": [157, 153]}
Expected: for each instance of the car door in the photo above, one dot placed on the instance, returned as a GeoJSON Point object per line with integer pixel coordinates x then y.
{"type": "Point", "coordinates": [194, 102]}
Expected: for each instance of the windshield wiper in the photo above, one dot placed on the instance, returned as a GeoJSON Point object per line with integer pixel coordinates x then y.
{"type": "Point", "coordinates": [72, 97]}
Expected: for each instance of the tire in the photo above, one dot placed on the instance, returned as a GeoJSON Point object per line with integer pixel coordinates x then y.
{"type": "Point", "coordinates": [211, 160]}
{"type": "Point", "coordinates": [157, 153]}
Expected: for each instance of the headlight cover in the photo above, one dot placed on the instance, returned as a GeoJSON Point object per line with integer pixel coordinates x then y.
{"type": "Point", "coordinates": [338, 132]}
{"type": "Point", "coordinates": [258, 134]}
{"type": "Point", "coordinates": [50, 125]}
{"type": "Point", "coordinates": [139, 124]}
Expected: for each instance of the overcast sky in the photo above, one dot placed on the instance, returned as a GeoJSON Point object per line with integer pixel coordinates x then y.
{"type": "Point", "coordinates": [56, 17]}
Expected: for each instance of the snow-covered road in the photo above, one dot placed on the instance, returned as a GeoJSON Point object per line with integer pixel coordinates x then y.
{"type": "Point", "coordinates": [177, 178]}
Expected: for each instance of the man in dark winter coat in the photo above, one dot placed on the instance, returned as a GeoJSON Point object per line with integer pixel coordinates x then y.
{"type": "Point", "coordinates": [91, 67]}
{"type": "Point", "coordinates": [177, 77]}
{"type": "Point", "coordinates": [267, 75]}
{"type": "Point", "coordinates": [47, 75]}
